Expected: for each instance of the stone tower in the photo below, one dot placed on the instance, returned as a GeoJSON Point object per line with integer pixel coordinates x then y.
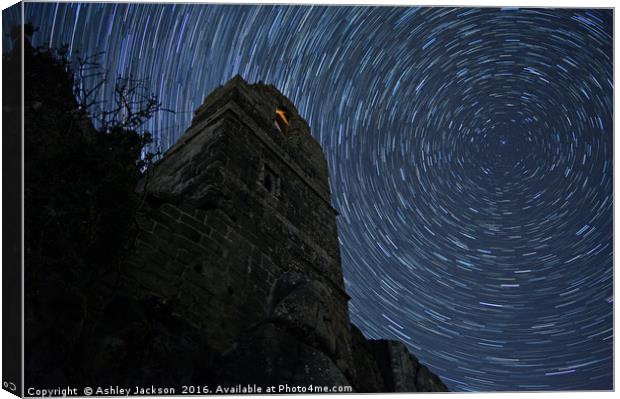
{"type": "Point", "coordinates": [237, 234]}
{"type": "Point", "coordinates": [238, 227]}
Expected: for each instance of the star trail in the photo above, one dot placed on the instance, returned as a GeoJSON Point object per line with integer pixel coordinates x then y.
{"type": "Point", "coordinates": [470, 155]}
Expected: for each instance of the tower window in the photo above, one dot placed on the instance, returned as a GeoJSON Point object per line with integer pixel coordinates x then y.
{"type": "Point", "coordinates": [281, 120]}
{"type": "Point", "coordinates": [271, 181]}
{"type": "Point", "coordinates": [268, 182]}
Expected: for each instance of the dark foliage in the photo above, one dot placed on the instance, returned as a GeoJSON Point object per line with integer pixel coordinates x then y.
{"type": "Point", "coordinates": [79, 205]}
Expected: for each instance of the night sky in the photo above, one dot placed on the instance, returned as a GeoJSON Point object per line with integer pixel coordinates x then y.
{"type": "Point", "coordinates": [470, 157]}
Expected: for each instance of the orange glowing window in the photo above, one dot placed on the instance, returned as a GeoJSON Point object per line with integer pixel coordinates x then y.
{"type": "Point", "coordinates": [281, 120]}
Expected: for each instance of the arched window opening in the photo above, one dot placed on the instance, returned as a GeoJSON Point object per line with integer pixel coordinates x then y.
{"type": "Point", "coordinates": [282, 120]}
{"type": "Point", "coordinates": [270, 181]}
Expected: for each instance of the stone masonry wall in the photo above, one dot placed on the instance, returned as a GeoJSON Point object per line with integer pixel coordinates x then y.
{"type": "Point", "coordinates": [216, 242]}
{"type": "Point", "coordinates": [238, 236]}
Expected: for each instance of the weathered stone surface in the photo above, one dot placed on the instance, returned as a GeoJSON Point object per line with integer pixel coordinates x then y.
{"type": "Point", "coordinates": [396, 365]}
{"type": "Point", "coordinates": [238, 238]}
{"type": "Point", "coordinates": [303, 306]}
{"type": "Point", "coordinates": [426, 381]}
{"type": "Point", "coordinates": [270, 355]}
{"type": "Point", "coordinates": [401, 371]}
{"type": "Point", "coordinates": [368, 377]}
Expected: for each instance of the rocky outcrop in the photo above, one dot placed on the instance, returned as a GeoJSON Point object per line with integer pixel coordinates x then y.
{"type": "Point", "coordinates": [369, 377]}
{"type": "Point", "coordinates": [401, 371]}
{"type": "Point", "coordinates": [238, 239]}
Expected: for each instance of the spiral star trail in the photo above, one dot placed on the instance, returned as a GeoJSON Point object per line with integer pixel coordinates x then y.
{"type": "Point", "coordinates": [470, 155]}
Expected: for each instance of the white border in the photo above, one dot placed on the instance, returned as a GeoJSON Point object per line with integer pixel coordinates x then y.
{"type": "Point", "coordinates": [461, 3]}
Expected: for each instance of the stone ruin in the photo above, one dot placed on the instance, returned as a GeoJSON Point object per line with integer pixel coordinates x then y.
{"type": "Point", "coordinates": [237, 233]}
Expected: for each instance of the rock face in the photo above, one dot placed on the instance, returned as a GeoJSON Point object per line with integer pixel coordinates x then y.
{"type": "Point", "coordinates": [401, 371]}
{"type": "Point", "coordinates": [238, 239]}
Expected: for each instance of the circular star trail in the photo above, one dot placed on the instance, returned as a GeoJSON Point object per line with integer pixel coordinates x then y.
{"type": "Point", "coordinates": [470, 155]}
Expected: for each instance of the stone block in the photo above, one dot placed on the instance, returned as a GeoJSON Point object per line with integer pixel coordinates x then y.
{"type": "Point", "coordinates": [195, 223]}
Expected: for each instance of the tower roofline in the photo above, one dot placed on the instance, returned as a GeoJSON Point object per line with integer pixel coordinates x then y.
{"type": "Point", "coordinates": [251, 104]}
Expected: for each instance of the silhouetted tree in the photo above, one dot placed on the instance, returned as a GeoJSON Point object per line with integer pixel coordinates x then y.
{"type": "Point", "coordinates": [79, 196]}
